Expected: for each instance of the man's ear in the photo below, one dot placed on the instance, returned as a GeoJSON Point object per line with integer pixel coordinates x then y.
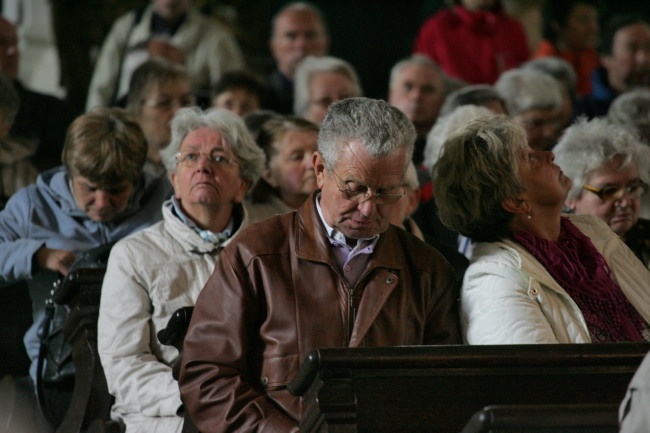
{"type": "Point", "coordinates": [319, 168]}
{"type": "Point", "coordinates": [515, 205]}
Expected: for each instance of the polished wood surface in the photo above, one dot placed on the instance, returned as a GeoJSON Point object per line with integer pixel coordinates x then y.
{"type": "Point", "coordinates": [439, 388]}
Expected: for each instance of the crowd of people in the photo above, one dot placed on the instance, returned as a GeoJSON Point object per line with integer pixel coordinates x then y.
{"type": "Point", "coordinates": [496, 195]}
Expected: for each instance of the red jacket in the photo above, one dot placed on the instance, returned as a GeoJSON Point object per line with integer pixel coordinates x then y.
{"type": "Point", "coordinates": [473, 46]}
{"type": "Point", "coordinates": [584, 62]}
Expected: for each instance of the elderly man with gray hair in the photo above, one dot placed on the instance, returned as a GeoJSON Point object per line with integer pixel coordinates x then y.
{"type": "Point", "coordinates": [334, 273]}
{"type": "Point", "coordinates": [533, 99]}
{"type": "Point", "coordinates": [321, 81]}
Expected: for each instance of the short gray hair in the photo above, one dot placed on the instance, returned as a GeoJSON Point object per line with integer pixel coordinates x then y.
{"type": "Point", "coordinates": [475, 94]}
{"type": "Point", "coordinates": [311, 65]}
{"type": "Point", "coordinates": [588, 145]}
{"type": "Point", "coordinates": [250, 157]}
{"type": "Point", "coordinates": [445, 126]}
{"type": "Point", "coordinates": [631, 110]}
{"type": "Point", "coordinates": [299, 5]}
{"type": "Point", "coordinates": [416, 59]}
{"type": "Point", "coordinates": [382, 129]}
{"type": "Point", "coordinates": [557, 68]}
{"type": "Point", "coordinates": [528, 89]}
{"type": "Point", "coordinates": [477, 170]}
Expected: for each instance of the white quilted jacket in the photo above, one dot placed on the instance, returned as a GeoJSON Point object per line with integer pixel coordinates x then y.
{"type": "Point", "coordinates": [508, 297]}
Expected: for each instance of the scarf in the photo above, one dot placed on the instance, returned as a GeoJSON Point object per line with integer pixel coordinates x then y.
{"type": "Point", "coordinates": [582, 271]}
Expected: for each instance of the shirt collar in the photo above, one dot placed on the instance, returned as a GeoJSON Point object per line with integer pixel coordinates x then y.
{"type": "Point", "coordinates": [337, 238]}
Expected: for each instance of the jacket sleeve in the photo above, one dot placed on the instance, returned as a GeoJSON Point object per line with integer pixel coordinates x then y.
{"type": "Point", "coordinates": [221, 347]}
{"type": "Point", "coordinates": [16, 249]}
{"type": "Point", "coordinates": [443, 321]}
{"type": "Point", "coordinates": [104, 79]}
{"type": "Point", "coordinates": [135, 376]}
{"type": "Point", "coordinates": [498, 306]}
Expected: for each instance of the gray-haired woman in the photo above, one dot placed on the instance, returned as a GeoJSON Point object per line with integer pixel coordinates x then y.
{"type": "Point", "coordinates": [535, 276]}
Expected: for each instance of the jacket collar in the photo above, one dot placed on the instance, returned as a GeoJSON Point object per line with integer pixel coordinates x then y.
{"type": "Point", "coordinates": [312, 242]}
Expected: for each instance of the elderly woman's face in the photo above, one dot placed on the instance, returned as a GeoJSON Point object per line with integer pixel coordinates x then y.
{"type": "Point", "coordinates": [207, 173]}
{"type": "Point", "coordinates": [291, 169]}
{"type": "Point", "coordinates": [546, 186]}
{"type": "Point", "coordinates": [621, 213]}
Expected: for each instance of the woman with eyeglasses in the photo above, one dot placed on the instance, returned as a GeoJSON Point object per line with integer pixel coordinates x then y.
{"type": "Point", "coordinates": [211, 161]}
{"type": "Point", "coordinates": [536, 275]}
{"type": "Point", "coordinates": [609, 168]}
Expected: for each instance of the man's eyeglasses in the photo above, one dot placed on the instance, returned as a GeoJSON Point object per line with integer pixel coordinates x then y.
{"type": "Point", "coordinates": [191, 158]}
{"type": "Point", "coordinates": [634, 189]}
{"type": "Point", "coordinates": [362, 193]}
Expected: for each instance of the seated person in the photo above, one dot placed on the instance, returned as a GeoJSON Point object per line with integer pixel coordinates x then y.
{"type": "Point", "coordinates": [474, 94]}
{"type": "Point", "coordinates": [99, 195]}
{"type": "Point", "coordinates": [535, 275]}
{"type": "Point", "coordinates": [239, 92]}
{"type": "Point", "coordinates": [288, 178]}
{"type": "Point", "coordinates": [631, 110]}
{"type": "Point", "coordinates": [157, 89]}
{"type": "Point", "coordinates": [609, 169]}
{"type": "Point", "coordinates": [211, 162]}
{"type": "Point", "coordinates": [319, 82]}
{"type": "Point", "coordinates": [334, 273]}
{"type": "Point", "coordinates": [401, 217]}
{"type": "Point", "coordinates": [562, 71]}
{"type": "Point", "coordinates": [16, 171]}
{"type": "Point", "coordinates": [533, 99]}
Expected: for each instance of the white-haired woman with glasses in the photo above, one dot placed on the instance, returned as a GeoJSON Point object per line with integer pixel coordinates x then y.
{"type": "Point", "coordinates": [536, 276]}
{"type": "Point", "coordinates": [211, 161]}
{"type": "Point", "coordinates": [609, 169]}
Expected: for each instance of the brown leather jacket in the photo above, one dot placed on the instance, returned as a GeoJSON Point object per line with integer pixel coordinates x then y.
{"type": "Point", "coordinates": [277, 293]}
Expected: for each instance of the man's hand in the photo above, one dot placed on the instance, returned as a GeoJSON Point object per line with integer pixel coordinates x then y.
{"type": "Point", "coordinates": [55, 260]}
{"type": "Point", "coordinates": [161, 48]}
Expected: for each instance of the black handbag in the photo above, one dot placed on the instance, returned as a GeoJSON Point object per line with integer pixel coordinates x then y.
{"type": "Point", "coordinates": [55, 369]}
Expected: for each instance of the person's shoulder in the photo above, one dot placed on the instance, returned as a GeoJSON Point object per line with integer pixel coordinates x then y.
{"type": "Point", "coordinates": [267, 236]}
{"type": "Point", "coordinates": [589, 224]}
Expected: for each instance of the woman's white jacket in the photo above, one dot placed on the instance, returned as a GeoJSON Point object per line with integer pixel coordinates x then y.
{"type": "Point", "coordinates": [508, 297]}
{"type": "Point", "coordinates": [149, 276]}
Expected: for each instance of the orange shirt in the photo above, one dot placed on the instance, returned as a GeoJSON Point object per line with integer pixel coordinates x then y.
{"type": "Point", "coordinates": [584, 62]}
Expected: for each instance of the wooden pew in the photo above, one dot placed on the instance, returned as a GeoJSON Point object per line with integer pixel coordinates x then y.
{"type": "Point", "coordinates": [439, 388]}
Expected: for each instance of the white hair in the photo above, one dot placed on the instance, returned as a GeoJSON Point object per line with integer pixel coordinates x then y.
{"type": "Point", "coordinates": [447, 125]}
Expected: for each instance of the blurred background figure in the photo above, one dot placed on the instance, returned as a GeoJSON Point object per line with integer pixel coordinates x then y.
{"type": "Point", "coordinates": [298, 30]}
{"type": "Point", "coordinates": [417, 89]}
{"type": "Point", "coordinates": [171, 29]}
{"type": "Point", "coordinates": [238, 91]}
{"type": "Point", "coordinates": [631, 110]}
{"type": "Point", "coordinates": [320, 81]}
{"type": "Point", "coordinates": [571, 32]}
{"type": "Point", "coordinates": [16, 171]}
{"type": "Point", "coordinates": [288, 178]}
{"type": "Point", "coordinates": [533, 100]}
{"type": "Point", "coordinates": [610, 171]}
{"type": "Point", "coordinates": [624, 50]}
{"type": "Point", "coordinates": [157, 89]}
{"type": "Point", "coordinates": [562, 71]}
{"type": "Point", "coordinates": [474, 40]}
{"type": "Point", "coordinates": [42, 119]}
{"type": "Point", "coordinates": [475, 94]}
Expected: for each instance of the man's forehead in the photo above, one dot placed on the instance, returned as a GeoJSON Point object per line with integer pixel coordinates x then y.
{"type": "Point", "coordinates": [298, 17]}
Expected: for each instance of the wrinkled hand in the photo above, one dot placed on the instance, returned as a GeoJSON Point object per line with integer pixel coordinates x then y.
{"type": "Point", "coordinates": [161, 48]}
{"type": "Point", "coordinates": [55, 260]}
